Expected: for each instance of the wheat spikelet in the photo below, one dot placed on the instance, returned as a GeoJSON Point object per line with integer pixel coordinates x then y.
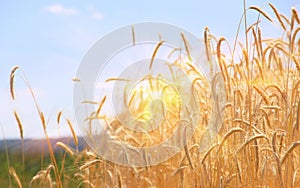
{"type": "Point", "coordinates": [58, 117]}
{"type": "Point", "coordinates": [89, 102]}
{"type": "Point", "coordinates": [89, 164]}
{"type": "Point", "coordinates": [279, 47]}
{"type": "Point", "coordinates": [295, 15]}
{"type": "Point", "coordinates": [48, 171]}
{"type": "Point", "coordinates": [154, 53]}
{"type": "Point", "coordinates": [276, 87]}
{"type": "Point", "coordinates": [75, 79]}
{"type": "Point", "coordinates": [255, 24]}
{"type": "Point", "coordinates": [292, 24]}
{"type": "Point", "coordinates": [100, 106]}
{"type": "Point", "coordinates": [265, 98]}
{"type": "Point", "coordinates": [73, 132]}
{"type": "Point", "coordinates": [186, 45]}
{"type": "Point", "coordinates": [219, 57]}
{"type": "Point", "coordinates": [65, 147]}
{"type": "Point", "coordinates": [11, 82]}
{"type": "Point", "coordinates": [261, 47]}
{"type": "Point", "coordinates": [42, 117]}
{"type": "Point", "coordinates": [245, 54]}
{"type": "Point", "coordinates": [294, 38]}
{"type": "Point", "coordinates": [19, 124]}
{"type": "Point", "coordinates": [13, 173]}
{"type": "Point", "coordinates": [256, 43]}
{"type": "Point", "coordinates": [207, 44]}
{"type": "Point", "coordinates": [277, 16]}
{"type": "Point", "coordinates": [287, 21]}
{"type": "Point", "coordinates": [131, 98]}
{"type": "Point", "coordinates": [117, 79]}
{"type": "Point", "coordinates": [261, 12]}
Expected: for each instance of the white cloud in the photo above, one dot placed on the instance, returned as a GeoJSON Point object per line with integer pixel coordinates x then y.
{"type": "Point", "coordinates": [91, 8]}
{"type": "Point", "coordinates": [60, 9]}
{"type": "Point", "coordinates": [97, 16]}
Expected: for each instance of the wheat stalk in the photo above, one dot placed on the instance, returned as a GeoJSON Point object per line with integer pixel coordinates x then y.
{"type": "Point", "coordinates": [289, 151]}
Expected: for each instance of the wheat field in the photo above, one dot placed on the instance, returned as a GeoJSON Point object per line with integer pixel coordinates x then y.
{"type": "Point", "coordinates": [257, 145]}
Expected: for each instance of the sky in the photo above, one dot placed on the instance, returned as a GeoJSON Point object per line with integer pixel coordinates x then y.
{"type": "Point", "coordinates": [48, 39]}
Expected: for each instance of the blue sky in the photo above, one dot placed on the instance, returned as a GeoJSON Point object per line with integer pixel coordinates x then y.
{"type": "Point", "coordinates": [48, 39]}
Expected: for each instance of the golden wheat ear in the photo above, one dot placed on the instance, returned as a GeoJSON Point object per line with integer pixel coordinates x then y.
{"type": "Point", "coordinates": [13, 173]}
{"type": "Point", "coordinates": [277, 16]}
{"type": "Point", "coordinates": [73, 132]}
{"type": "Point", "coordinates": [19, 124]}
{"type": "Point", "coordinates": [261, 12]}
{"type": "Point", "coordinates": [11, 82]}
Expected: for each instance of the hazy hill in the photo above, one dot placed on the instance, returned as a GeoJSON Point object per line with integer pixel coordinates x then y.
{"type": "Point", "coordinates": [38, 145]}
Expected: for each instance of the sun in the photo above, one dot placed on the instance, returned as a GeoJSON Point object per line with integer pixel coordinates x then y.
{"type": "Point", "coordinates": [153, 97]}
